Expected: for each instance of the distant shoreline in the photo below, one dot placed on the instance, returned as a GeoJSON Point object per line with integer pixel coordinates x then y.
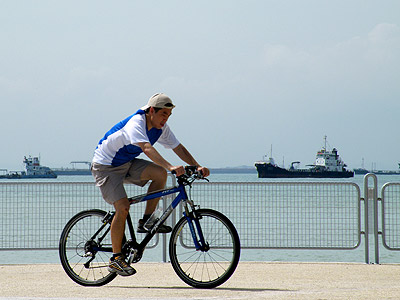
{"type": "Point", "coordinates": [228, 170]}
{"type": "Point", "coordinates": [243, 170]}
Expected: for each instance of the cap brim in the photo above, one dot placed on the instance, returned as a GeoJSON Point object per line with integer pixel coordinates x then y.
{"type": "Point", "coordinates": [147, 106]}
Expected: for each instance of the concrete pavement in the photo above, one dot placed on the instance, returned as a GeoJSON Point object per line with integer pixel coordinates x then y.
{"type": "Point", "coordinates": [252, 280]}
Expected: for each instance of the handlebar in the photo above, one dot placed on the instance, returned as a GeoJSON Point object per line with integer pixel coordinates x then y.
{"type": "Point", "coordinates": [191, 174]}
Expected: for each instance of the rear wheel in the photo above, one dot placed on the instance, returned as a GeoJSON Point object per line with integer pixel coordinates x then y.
{"type": "Point", "coordinates": [213, 265]}
{"type": "Point", "coordinates": [79, 248]}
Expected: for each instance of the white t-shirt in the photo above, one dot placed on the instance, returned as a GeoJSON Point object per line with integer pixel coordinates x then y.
{"type": "Point", "coordinates": [119, 144]}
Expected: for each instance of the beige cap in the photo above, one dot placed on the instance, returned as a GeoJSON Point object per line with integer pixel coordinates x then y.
{"type": "Point", "coordinates": [159, 100]}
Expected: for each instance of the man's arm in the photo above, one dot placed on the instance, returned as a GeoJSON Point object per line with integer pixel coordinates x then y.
{"type": "Point", "coordinates": [185, 155]}
{"type": "Point", "coordinates": [156, 157]}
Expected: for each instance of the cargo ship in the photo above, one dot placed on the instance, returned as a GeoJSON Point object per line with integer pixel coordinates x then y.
{"type": "Point", "coordinates": [327, 164]}
{"type": "Point", "coordinates": [73, 171]}
{"type": "Point", "coordinates": [363, 171]}
{"type": "Point", "coordinates": [33, 169]}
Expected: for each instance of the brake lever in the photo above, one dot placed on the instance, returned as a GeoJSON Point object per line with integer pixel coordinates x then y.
{"type": "Point", "coordinates": [199, 175]}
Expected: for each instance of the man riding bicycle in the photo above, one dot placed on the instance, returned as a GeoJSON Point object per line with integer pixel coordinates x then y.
{"type": "Point", "coordinates": [115, 162]}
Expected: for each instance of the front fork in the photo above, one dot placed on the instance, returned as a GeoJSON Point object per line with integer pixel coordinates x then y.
{"type": "Point", "coordinates": [193, 220]}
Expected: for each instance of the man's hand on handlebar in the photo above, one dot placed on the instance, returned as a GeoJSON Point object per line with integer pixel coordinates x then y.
{"type": "Point", "coordinates": [204, 171]}
{"type": "Point", "coordinates": [178, 170]}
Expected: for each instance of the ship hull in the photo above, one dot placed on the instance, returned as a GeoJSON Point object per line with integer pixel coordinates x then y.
{"type": "Point", "coordinates": [376, 172]}
{"type": "Point", "coordinates": [270, 171]}
{"type": "Point", "coordinates": [19, 176]}
{"type": "Point", "coordinates": [72, 172]}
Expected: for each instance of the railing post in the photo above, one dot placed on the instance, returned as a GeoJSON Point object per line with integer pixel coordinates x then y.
{"type": "Point", "coordinates": [164, 236]}
{"type": "Point", "coordinates": [376, 229]}
{"type": "Point", "coordinates": [371, 215]}
{"type": "Point", "coordinates": [366, 224]}
{"type": "Point", "coordinates": [165, 205]}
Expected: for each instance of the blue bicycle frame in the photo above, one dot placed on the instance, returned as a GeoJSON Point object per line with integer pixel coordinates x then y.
{"type": "Point", "coordinates": [145, 197]}
{"type": "Point", "coordinates": [182, 196]}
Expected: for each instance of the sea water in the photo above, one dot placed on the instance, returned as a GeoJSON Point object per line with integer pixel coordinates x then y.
{"type": "Point", "coordinates": [285, 255]}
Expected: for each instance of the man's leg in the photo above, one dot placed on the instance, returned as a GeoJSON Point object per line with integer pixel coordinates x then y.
{"type": "Point", "coordinates": [117, 262]}
{"type": "Point", "coordinates": [158, 177]}
{"type": "Point", "coordinates": [118, 223]}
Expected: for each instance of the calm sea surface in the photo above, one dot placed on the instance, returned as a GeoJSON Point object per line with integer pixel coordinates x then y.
{"type": "Point", "coordinates": [155, 255]}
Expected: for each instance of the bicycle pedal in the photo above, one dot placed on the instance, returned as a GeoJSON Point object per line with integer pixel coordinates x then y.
{"type": "Point", "coordinates": [134, 256]}
{"type": "Point", "coordinates": [131, 256]}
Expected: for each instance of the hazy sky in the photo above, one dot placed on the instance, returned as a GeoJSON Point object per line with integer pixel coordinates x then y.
{"type": "Point", "coordinates": [243, 75]}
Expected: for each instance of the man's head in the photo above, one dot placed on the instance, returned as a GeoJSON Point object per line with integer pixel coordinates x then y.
{"type": "Point", "coordinates": [158, 110]}
{"type": "Point", "coordinates": [159, 100]}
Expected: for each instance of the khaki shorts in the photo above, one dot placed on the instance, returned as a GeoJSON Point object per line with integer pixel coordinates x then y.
{"type": "Point", "coordinates": [111, 179]}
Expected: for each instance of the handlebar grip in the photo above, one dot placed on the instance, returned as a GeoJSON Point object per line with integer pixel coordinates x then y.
{"type": "Point", "coordinates": [189, 170]}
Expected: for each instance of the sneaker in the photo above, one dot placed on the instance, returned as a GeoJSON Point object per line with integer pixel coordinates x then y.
{"type": "Point", "coordinates": [161, 229]}
{"type": "Point", "coordinates": [119, 265]}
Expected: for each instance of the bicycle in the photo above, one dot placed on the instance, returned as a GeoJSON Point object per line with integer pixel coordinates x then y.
{"type": "Point", "coordinates": [204, 246]}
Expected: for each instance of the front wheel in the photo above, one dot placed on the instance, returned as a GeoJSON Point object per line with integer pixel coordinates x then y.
{"type": "Point", "coordinates": [213, 264]}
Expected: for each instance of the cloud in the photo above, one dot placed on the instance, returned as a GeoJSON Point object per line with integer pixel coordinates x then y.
{"type": "Point", "coordinates": [80, 76]}
{"type": "Point", "coordinates": [381, 44]}
{"type": "Point", "coordinates": [360, 67]}
{"type": "Point", "coordinates": [283, 55]}
{"type": "Point", "coordinates": [383, 33]}
{"type": "Point", "coordinates": [14, 85]}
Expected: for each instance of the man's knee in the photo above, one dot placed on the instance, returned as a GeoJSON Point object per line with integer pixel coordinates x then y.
{"type": "Point", "coordinates": [155, 173]}
{"type": "Point", "coordinates": [122, 206]}
{"type": "Point", "coordinates": [161, 174]}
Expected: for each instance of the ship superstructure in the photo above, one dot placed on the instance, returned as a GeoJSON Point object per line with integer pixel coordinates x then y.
{"type": "Point", "coordinates": [327, 164]}
{"type": "Point", "coordinates": [33, 169]}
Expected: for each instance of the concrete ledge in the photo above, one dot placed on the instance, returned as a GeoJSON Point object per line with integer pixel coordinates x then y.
{"type": "Point", "coordinates": [252, 280]}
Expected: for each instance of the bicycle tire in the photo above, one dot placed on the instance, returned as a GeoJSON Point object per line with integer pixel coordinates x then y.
{"type": "Point", "coordinates": [76, 234]}
{"type": "Point", "coordinates": [205, 269]}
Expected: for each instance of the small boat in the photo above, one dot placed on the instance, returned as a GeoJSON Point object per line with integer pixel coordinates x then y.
{"type": "Point", "coordinates": [33, 169]}
{"type": "Point", "coordinates": [327, 164]}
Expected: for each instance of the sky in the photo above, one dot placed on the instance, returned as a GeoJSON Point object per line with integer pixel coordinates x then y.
{"type": "Point", "coordinates": [245, 76]}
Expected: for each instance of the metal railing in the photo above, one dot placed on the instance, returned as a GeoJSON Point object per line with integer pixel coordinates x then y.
{"type": "Point", "coordinates": [292, 215]}
{"type": "Point", "coordinates": [391, 216]}
{"type": "Point", "coordinates": [33, 215]}
{"type": "Point", "coordinates": [267, 215]}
